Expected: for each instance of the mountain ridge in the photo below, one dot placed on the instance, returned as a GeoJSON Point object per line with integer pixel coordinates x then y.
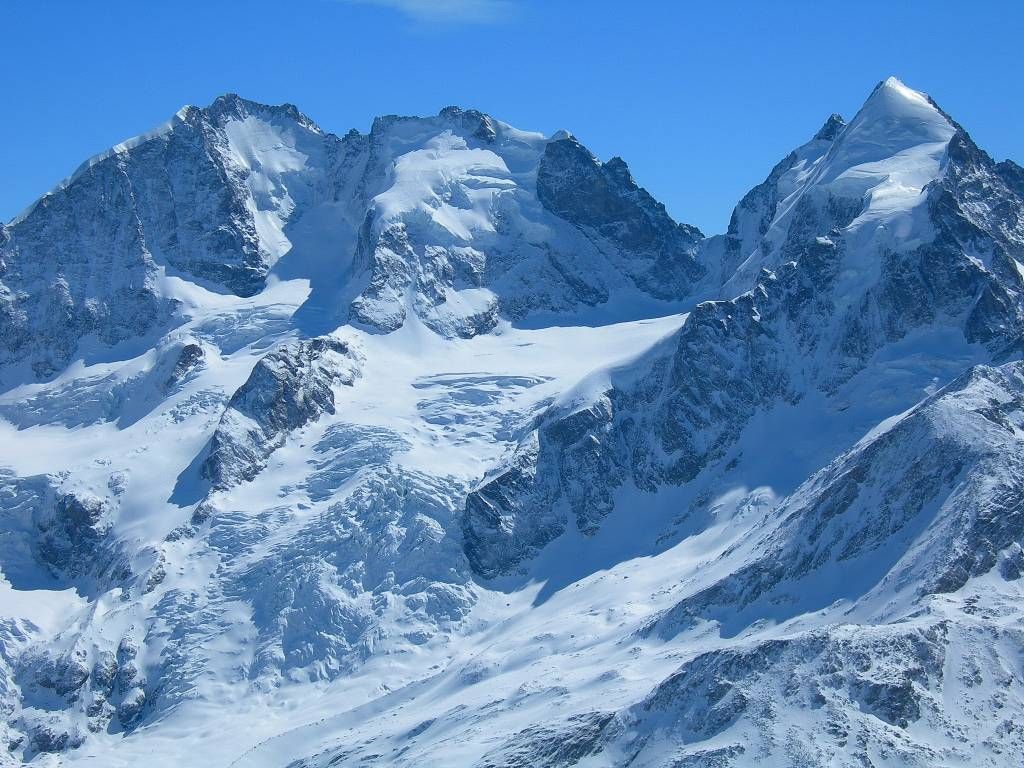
{"type": "Point", "coordinates": [445, 444]}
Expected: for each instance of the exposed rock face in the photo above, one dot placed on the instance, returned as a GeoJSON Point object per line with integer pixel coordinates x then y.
{"type": "Point", "coordinates": [287, 389]}
{"type": "Point", "coordinates": [188, 361]}
{"type": "Point", "coordinates": [199, 197]}
{"type": "Point", "coordinates": [53, 296]}
{"type": "Point", "coordinates": [524, 507]}
{"type": "Point", "coordinates": [604, 198]}
{"type": "Point", "coordinates": [397, 269]}
{"type": "Point", "coordinates": [73, 541]}
{"type": "Point", "coordinates": [858, 688]}
{"type": "Point", "coordinates": [85, 688]}
{"type": "Point", "coordinates": [551, 745]}
{"type": "Point", "coordinates": [67, 533]}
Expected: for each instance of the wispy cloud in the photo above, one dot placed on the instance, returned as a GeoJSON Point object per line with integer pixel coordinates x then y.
{"type": "Point", "coordinates": [449, 11]}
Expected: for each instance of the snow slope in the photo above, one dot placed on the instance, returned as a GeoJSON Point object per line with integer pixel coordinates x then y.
{"type": "Point", "coordinates": [425, 447]}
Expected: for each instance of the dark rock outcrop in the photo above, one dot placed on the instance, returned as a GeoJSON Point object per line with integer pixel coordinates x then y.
{"type": "Point", "coordinates": [288, 388]}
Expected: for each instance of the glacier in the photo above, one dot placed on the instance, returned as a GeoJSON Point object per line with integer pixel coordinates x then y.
{"type": "Point", "coordinates": [444, 444]}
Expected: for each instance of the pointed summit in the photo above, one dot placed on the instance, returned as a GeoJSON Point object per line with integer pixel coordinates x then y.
{"type": "Point", "coordinates": [891, 100]}
{"type": "Point", "coordinates": [231, 106]}
{"type": "Point", "coordinates": [896, 86]}
{"type": "Point", "coordinates": [480, 125]}
{"type": "Point", "coordinates": [878, 165]}
{"type": "Point", "coordinates": [831, 128]}
{"type": "Point", "coordinates": [894, 120]}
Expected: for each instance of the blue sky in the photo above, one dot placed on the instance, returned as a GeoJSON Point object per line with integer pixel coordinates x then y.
{"type": "Point", "coordinates": [700, 101]}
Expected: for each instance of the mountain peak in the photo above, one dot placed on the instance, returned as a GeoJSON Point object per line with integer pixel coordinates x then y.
{"type": "Point", "coordinates": [454, 112]}
{"type": "Point", "coordinates": [894, 119]}
{"type": "Point", "coordinates": [231, 106]}
{"type": "Point", "coordinates": [466, 122]}
{"type": "Point", "coordinates": [831, 128]}
{"type": "Point", "coordinates": [893, 97]}
{"type": "Point", "coordinates": [479, 124]}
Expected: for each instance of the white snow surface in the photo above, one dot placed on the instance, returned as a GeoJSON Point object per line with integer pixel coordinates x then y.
{"type": "Point", "coordinates": [411, 386]}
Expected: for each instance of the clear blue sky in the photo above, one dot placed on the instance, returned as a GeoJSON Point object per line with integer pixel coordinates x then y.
{"type": "Point", "coordinates": [700, 101]}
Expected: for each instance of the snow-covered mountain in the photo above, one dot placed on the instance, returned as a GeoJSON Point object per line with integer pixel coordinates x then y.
{"type": "Point", "coordinates": [445, 445]}
{"type": "Point", "coordinates": [458, 219]}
